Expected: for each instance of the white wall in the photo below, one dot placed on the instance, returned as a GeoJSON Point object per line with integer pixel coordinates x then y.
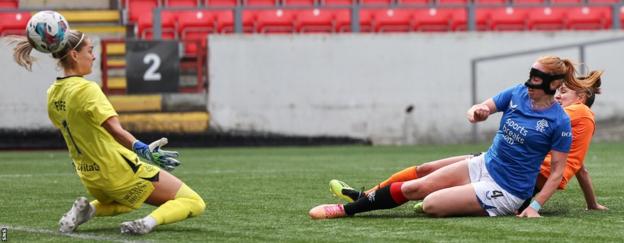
{"type": "Point", "coordinates": [360, 85]}
{"type": "Point", "coordinates": [23, 94]}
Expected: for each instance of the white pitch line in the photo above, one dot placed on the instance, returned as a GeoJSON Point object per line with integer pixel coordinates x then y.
{"type": "Point", "coordinates": [31, 175]}
{"type": "Point", "coordinates": [51, 232]}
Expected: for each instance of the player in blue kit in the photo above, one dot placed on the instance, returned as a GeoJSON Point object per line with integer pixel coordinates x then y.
{"type": "Point", "coordinates": [500, 180]}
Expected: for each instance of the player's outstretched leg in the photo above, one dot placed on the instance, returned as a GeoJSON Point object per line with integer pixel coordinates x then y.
{"type": "Point", "coordinates": [175, 201]}
{"type": "Point", "coordinates": [344, 191]}
{"type": "Point", "coordinates": [387, 197]}
{"type": "Point", "coordinates": [80, 212]}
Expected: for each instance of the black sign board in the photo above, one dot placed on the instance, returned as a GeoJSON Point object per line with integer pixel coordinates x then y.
{"type": "Point", "coordinates": [152, 66]}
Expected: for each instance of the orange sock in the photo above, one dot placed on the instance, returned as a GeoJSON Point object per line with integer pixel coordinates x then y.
{"type": "Point", "coordinates": [406, 174]}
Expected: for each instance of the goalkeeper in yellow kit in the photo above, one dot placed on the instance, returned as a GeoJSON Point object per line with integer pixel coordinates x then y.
{"type": "Point", "coordinates": [104, 154]}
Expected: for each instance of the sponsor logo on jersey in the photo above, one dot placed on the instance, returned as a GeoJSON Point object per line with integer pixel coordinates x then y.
{"type": "Point", "coordinates": [541, 125]}
{"type": "Point", "coordinates": [512, 106]}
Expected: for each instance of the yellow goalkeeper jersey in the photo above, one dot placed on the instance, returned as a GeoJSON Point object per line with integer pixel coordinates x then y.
{"type": "Point", "coordinates": [78, 108]}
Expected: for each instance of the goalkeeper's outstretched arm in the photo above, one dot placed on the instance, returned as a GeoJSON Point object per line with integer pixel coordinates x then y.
{"type": "Point", "coordinates": [152, 152]}
{"type": "Point", "coordinates": [113, 126]}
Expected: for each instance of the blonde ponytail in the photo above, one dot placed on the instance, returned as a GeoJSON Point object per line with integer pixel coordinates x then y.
{"type": "Point", "coordinates": [22, 50]}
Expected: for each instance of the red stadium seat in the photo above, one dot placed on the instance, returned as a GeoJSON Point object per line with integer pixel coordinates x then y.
{"type": "Point", "coordinates": [194, 27]}
{"type": "Point", "coordinates": [432, 19]}
{"type": "Point", "coordinates": [589, 18]}
{"type": "Point", "coordinates": [13, 23]}
{"type": "Point", "coordinates": [342, 20]}
{"type": "Point", "coordinates": [337, 2]}
{"type": "Point", "coordinates": [622, 17]}
{"type": "Point", "coordinates": [315, 20]}
{"type": "Point", "coordinates": [136, 8]}
{"type": "Point", "coordinates": [490, 2]}
{"type": "Point", "coordinates": [225, 21]}
{"type": "Point", "coordinates": [144, 26]}
{"type": "Point", "coordinates": [306, 3]}
{"type": "Point", "coordinates": [260, 3]}
{"type": "Point", "coordinates": [376, 2]}
{"type": "Point", "coordinates": [508, 19]}
{"type": "Point", "coordinates": [413, 2]}
{"type": "Point", "coordinates": [366, 20]}
{"type": "Point", "coordinates": [604, 1]}
{"type": "Point", "coordinates": [181, 3]}
{"type": "Point", "coordinates": [275, 21]}
{"type": "Point", "coordinates": [528, 2]}
{"type": "Point", "coordinates": [392, 20]}
{"type": "Point", "coordinates": [452, 2]}
{"type": "Point", "coordinates": [9, 4]}
{"type": "Point", "coordinates": [221, 3]}
{"type": "Point", "coordinates": [565, 2]}
{"type": "Point", "coordinates": [546, 18]}
{"type": "Point", "coordinates": [460, 19]}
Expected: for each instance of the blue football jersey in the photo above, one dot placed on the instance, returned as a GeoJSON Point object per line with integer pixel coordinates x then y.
{"type": "Point", "coordinates": [523, 139]}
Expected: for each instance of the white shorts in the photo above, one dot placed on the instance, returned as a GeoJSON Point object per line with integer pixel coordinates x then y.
{"type": "Point", "coordinates": [493, 198]}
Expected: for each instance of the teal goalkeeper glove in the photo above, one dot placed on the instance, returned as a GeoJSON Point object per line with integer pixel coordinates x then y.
{"type": "Point", "coordinates": [152, 153]}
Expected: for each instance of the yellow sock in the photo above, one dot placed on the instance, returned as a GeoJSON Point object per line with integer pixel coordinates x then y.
{"type": "Point", "coordinates": [109, 209]}
{"type": "Point", "coordinates": [186, 204]}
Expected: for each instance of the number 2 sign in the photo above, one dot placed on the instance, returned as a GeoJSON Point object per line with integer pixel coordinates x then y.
{"type": "Point", "coordinates": [152, 66]}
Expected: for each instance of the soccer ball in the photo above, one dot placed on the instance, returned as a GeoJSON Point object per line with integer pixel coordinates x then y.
{"type": "Point", "coordinates": [47, 31]}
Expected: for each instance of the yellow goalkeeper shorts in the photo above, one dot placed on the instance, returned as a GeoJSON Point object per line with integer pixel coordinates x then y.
{"type": "Point", "coordinates": [132, 193]}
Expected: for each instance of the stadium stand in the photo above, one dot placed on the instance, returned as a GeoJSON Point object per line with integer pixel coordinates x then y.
{"type": "Point", "coordinates": [181, 3]}
{"type": "Point", "coordinates": [261, 3]}
{"type": "Point", "coordinates": [300, 3]}
{"type": "Point", "coordinates": [136, 8]}
{"type": "Point", "coordinates": [382, 3]}
{"type": "Point", "coordinates": [315, 21]}
{"type": "Point", "coordinates": [275, 21]}
{"type": "Point", "coordinates": [414, 2]}
{"type": "Point", "coordinates": [433, 19]}
{"type": "Point", "coordinates": [13, 23]}
{"type": "Point", "coordinates": [103, 23]}
{"type": "Point", "coordinates": [9, 4]}
{"type": "Point", "coordinates": [192, 27]}
{"type": "Point", "coordinates": [565, 2]}
{"type": "Point", "coordinates": [392, 20]}
{"type": "Point", "coordinates": [342, 20]}
{"type": "Point", "coordinates": [460, 19]}
{"type": "Point", "coordinates": [221, 3]}
{"type": "Point", "coordinates": [589, 18]}
{"type": "Point", "coordinates": [546, 18]}
{"type": "Point", "coordinates": [490, 2]}
{"type": "Point", "coordinates": [528, 2]}
{"type": "Point", "coordinates": [452, 2]}
{"type": "Point", "coordinates": [507, 19]}
{"type": "Point", "coordinates": [335, 3]}
{"type": "Point", "coordinates": [144, 26]}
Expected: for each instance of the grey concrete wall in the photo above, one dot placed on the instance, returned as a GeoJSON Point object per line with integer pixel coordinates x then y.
{"type": "Point", "coordinates": [360, 85]}
{"type": "Point", "coordinates": [23, 94]}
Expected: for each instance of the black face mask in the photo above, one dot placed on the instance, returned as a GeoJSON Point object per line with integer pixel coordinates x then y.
{"type": "Point", "coordinates": [546, 80]}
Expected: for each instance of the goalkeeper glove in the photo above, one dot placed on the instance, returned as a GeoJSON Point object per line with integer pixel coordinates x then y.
{"type": "Point", "coordinates": [152, 153]}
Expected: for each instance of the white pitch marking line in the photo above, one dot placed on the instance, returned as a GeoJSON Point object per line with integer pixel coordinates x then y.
{"type": "Point", "coordinates": [51, 232]}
